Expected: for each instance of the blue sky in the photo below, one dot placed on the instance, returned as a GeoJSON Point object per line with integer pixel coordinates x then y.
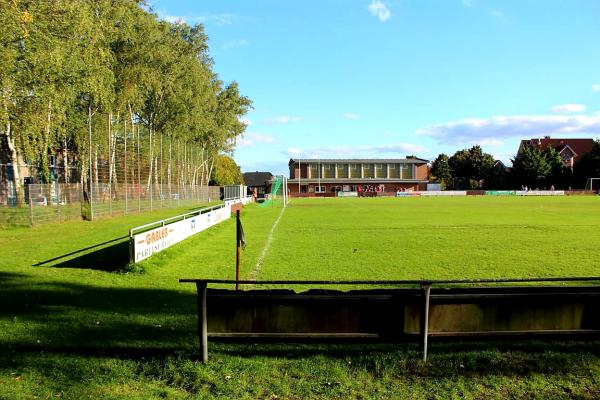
{"type": "Point", "coordinates": [387, 78]}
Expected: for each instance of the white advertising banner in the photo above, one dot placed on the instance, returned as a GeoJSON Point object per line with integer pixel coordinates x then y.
{"type": "Point", "coordinates": [243, 200]}
{"type": "Point", "coordinates": [443, 193]}
{"type": "Point", "coordinates": [540, 193]}
{"type": "Point", "coordinates": [155, 240]}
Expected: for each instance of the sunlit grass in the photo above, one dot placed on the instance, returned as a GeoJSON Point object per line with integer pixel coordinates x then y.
{"type": "Point", "coordinates": [80, 324]}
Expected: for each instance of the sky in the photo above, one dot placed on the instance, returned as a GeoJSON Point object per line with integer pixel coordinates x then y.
{"type": "Point", "coordinates": [390, 78]}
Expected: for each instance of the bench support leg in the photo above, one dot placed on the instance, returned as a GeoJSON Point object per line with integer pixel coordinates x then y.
{"type": "Point", "coordinates": [202, 325]}
{"type": "Point", "coordinates": [425, 289]}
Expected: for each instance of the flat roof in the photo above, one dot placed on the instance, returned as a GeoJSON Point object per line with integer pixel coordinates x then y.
{"type": "Point", "coordinates": [342, 181]}
{"type": "Point", "coordinates": [361, 160]}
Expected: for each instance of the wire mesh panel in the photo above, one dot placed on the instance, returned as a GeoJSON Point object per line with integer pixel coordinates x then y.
{"type": "Point", "coordinates": [123, 168]}
{"type": "Point", "coordinates": [60, 202]}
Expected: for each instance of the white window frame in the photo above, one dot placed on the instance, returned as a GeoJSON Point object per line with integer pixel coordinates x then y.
{"type": "Point", "coordinates": [320, 189]}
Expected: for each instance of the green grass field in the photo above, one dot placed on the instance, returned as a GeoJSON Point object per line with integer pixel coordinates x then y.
{"type": "Point", "coordinates": [78, 322]}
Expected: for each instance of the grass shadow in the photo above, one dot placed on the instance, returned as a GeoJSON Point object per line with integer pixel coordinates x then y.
{"type": "Point", "coordinates": [110, 256]}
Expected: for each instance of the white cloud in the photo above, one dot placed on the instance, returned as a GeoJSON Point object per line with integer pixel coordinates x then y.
{"type": "Point", "coordinates": [350, 115]}
{"type": "Point", "coordinates": [252, 139]}
{"type": "Point", "coordinates": [235, 43]}
{"type": "Point", "coordinates": [174, 19]}
{"type": "Point", "coordinates": [488, 142]}
{"type": "Point", "coordinates": [295, 152]}
{"type": "Point", "coordinates": [497, 13]}
{"type": "Point", "coordinates": [218, 19]}
{"type": "Point", "coordinates": [283, 119]}
{"type": "Point", "coordinates": [355, 151]}
{"type": "Point", "coordinates": [520, 126]}
{"type": "Point", "coordinates": [379, 9]}
{"type": "Point", "coordinates": [259, 138]}
{"type": "Point", "coordinates": [244, 142]}
{"type": "Point", "coordinates": [568, 108]}
{"type": "Point", "coordinates": [596, 87]}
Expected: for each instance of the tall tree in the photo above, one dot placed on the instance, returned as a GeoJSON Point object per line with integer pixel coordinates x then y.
{"type": "Point", "coordinates": [470, 167]}
{"type": "Point", "coordinates": [440, 171]}
{"type": "Point", "coordinates": [14, 28]}
{"type": "Point", "coordinates": [558, 175]}
{"type": "Point", "coordinates": [530, 167]}
{"type": "Point", "coordinates": [588, 166]}
{"type": "Point", "coordinates": [226, 172]}
{"type": "Point", "coordinates": [111, 70]}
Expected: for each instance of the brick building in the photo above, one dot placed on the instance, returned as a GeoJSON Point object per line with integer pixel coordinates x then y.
{"type": "Point", "coordinates": [327, 177]}
{"type": "Point", "coordinates": [570, 150]}
{"type": "Point", "coordinates": [259, 182]}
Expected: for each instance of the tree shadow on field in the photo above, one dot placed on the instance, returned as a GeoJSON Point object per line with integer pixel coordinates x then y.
{"type": "Point", "coordinates": [109, 256]}
{"type": "Point", "coordinates": [63, 329]}
{"type": "Point", "coordinates": [85, 318]}
{"type": "Point", "coordinates": [52, 327]}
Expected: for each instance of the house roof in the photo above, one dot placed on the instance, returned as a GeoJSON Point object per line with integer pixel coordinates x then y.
{"type": "Point", "coordinates": [579, 146]}
{"type": "Point", "coordinates": [414, 160]}
{"type": "Point", "coordinates": [257, 178]}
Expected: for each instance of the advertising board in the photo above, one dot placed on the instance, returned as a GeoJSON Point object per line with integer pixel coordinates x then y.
{"type": "Point", "coordinates": [155, 240]}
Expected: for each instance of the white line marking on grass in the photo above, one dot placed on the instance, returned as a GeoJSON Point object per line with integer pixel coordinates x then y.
{"type": "Point", "coordinates": [254, 273]}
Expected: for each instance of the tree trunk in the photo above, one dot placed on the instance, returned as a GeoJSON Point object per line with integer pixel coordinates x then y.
{"type": "Point", "coordinates": [44, 160]}
{"type": "Point", "coordinates": [169, 169]}
{"type": "Point", "coordinates": [96, 178]}
{"type": "Point", "coordinates": [14, 161]}
{"type": "Point", "coordinates": [151, 157]}
{"type": "Point", "coordinates": [65, 154]}
{"type": "Point", "coordinates": [157, 188]}
{"type": "Point", "coordinates": [210, 169]}
{"type": "Point", "coordinates": [110, 164]}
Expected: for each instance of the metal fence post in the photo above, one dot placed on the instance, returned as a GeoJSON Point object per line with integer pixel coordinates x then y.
{"type": "Point", "coordinates": [58, 193]}
{"type": "Point", "coordinates": [30, 205]}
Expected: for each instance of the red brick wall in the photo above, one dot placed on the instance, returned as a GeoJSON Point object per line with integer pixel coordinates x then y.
{"type": "Point", "coordinates": [422, 172]}
{"type": "Point", "coordinates": [295, 171]}
{"type": "Point", "coordinates": [389, 188]}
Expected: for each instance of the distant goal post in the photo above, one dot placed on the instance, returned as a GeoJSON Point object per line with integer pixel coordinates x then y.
{"type": "Point", "coordinates": [593, 184]}
{"type": "Point", "coordinates": [278, 195]}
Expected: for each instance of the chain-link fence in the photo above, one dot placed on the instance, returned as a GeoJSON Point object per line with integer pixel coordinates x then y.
{"type": "Point", "coordinates": [58, 202]}
{"type": "Point", "coordinates": [123, 168]}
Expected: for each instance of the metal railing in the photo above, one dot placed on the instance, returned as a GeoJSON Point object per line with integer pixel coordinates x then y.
{"type": "Point", "coordinates": [166, 221]}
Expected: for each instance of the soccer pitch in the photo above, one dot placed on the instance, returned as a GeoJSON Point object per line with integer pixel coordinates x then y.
{"type": "Point", "coordinates": [434, 238]}
{"type": "Point", "coordinates": [78, 322]}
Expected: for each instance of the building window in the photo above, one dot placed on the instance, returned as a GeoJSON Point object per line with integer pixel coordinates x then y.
{"type": "Point", "coordinates": [319, 189]}
{"type": "Point", "coordinates": [314, 171]}
{"type": "Point", "coordinates": [354, 166]}
{"type": "Point", "coordinates": [392, 166]}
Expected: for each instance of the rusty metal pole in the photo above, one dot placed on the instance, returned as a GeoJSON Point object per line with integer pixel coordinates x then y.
{"type": "Point", "coordinates": [425, 290]}
{"type": "Point", "coordinates": [237, 249]}
{"type": "Point", "coordinates": [201, 288]}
